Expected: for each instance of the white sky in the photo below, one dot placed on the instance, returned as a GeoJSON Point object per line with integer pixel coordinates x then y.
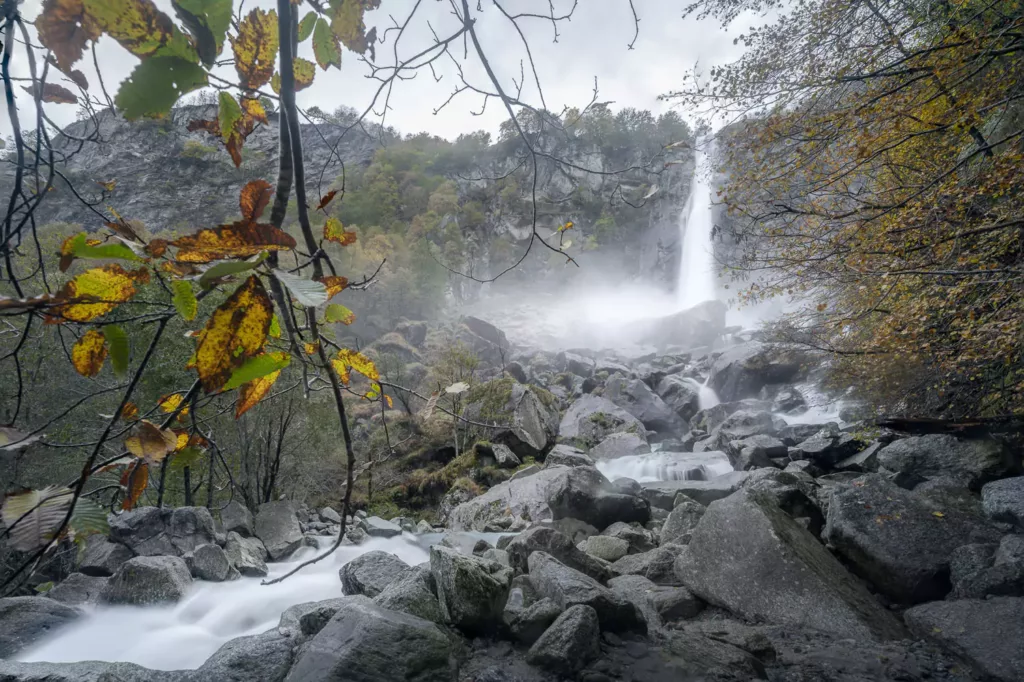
{"type": "Point", "coordinates": [593, 43]}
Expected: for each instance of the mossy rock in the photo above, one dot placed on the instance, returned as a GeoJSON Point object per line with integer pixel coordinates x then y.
{"type": "Point", "coordinates": [526, 417]}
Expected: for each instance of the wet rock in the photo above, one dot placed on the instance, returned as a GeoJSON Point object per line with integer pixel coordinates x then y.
{"type": "Point", "coordinates": [755, 451]}
{"type": "Point", "coordinates": [742, 549]}
{"type": "Point", "coordinates": [149, 531]}
{"type": "Point", "coordinates": [570, 643]}
{"type": "Point", "coordinates": [265, 657]}
{"type": "Point", "coordinates": [247, 555]}
{"type": "Point", "coordinates": [148, 580]}
{"type": "Point", "coordinates": [789, 400]}
{"type": "Point", "coordinates": [376, 527]}
{"type": "Point", "coordinates": [423, 527]}
{"type": "Point", "coordinates": [623, 444]}
{"type": "Point", "coordinates": [742, 371]}
{"type": "Point", "coordinates": [575, 363]}
{"type": "Point", "coordinates": [566, 455]}
{"type": "Point", "coordinates": [369, 574]}
{"type": "Point", "coordinates": [103, 557]}
{"type": "Point", "coordinates": [680, 394]}
{"type": "Point", "coordinates": [1011, 550]}
{"type": "Point", "coordinates": [236, 517]}
{"type": "Point", "coordinates": [530, 413]}
{"type": "Point", "coordinates": [209, 562]}
{"type": "Point", "coordinates": [301, 621]}
{"type": "Point", "coordinates": [737, 426]}
{"type": "Point", "coordinates": [627, 486]}
{"type": "Point", "coordinates": [26, 620]}
{"type": "Point", "coordinates": [87, 671]}
{"type": "Point", "coordinates": [413, 592]}
{"type": "Point", "coordinates": [829, 446]}
{"type": "Point", "coordinates": [527, 621]}
{"type": "Point", "coordinates": [715, 658]}
{"type": "Point", "coordinates": [637, 590]}
{"type": "Point", "coordinates": [675, 603]}
{"type": "Point", "coordinates": [657, 565]}
{"type": "Point", "coordinates": [78, 589]}
{"type": "Point", "coordinates": [520, 497]}
{"type": "Point", "coordinates": [585, 494]}
{"type": "Point", "coordinates": [368, 643]}
{"type": "Point", "coordinates": [971, 463]}
{"type": "Point", "coordinates": [464, 543]}
{"type": "Point", "coordinates": [591, 419]}
{"type": "Point", "coordinates": [637, 398]}
{"type": "Point", "coordinates": [328, 515]}
{"type": "Point", "coordinates": [663, 493]}
{"type": "Point", "coordinates": [864, 461]}
{"type": "Point", "coordinates": [1004, 500]}
{"type": "Point", "coordinates": [681, 521]}
{"type": "Point", "coordinates": [472, 592]}
{"type": "Point", "coordinates": [278, 528]}
{"type": "Point", "coordinates": [558, 545]}
{"type": "Point", "coordinates": [984, 632]}
{"type": "Point", "coordinates": [797, 433]}
{"type": "Point", "coordinates": [574, 529]}
{"type": "Point", "coordinates": [639, 540]}
{"type": "Point", "coordinates": [605, 547]}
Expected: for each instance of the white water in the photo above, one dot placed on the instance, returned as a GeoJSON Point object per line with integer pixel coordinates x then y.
{"type": "Point", "coordinates": [666, 466]}
{"type": "Point", "coordinates": [696, 282]}
{"type": "Point", "coordinates": [706, 396]}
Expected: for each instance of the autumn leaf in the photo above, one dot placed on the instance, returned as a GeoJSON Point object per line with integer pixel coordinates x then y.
{"type": "Point", "coordinates": [241, 121]}
{"type": "Point", "coordinates": [96, 292]}
{"type": "Point", "coordinates": [389, 401]}
{"type": "Point", "coordinates": [33, 516]}
{"type": "Point", "coordinates": [117, 342]}
{"type": "Point", "coordinates": [256, 367]}
{"type": "Point", "coordinates": [254, 198]}
{"type": "Point", "coordinates": [347, 359]}
{"type": "Point", "coordinates": [81, 246]}
{"type": "Point", "coordinates": [326, 48]}
{"type": "Point", "coordinates": [275, 328]}
{"type": "Point", "coordinates": [254, 109]}
{"type": "Point", "coordinates": [255, 48]}
{"type": "Point", "coordinates": [334, 284]}
{"type": "Point", "coordinates": [156, 84]}
{"type": "Point", "coordinates": [65, 28]}
{"type": "Point", "coordinates": [150, 442]}
{"type": "Point", "coordinates": [208, 22]}
{"type": "Point", "coordinates": [237, 240]}
{"type": "Point", "coordinates": [229, 114]}
{"type": "Point", "coordinates": [235, 332]}
{"type": "Point", "coordinates": [134, 480]}
{"type": "Point", "coordinates": [51, 92]}
{"type": "Point", "coordinates": [170, 403]}
{"type": "Point", "coordinates": [88, 518]}
{"type": "Point", "coordinates": [326, 199]}
{"type": "Point", "coordinates": [347, 24]}
{"type": "Point", "coordinates": [310, 348]}
{"type": "Point", "coordinates": [249, 394]}
{"type": "Point", "coordinates": [336, 312]}
{"type": "Point", "coordinates": [184, 299]}
{"type": "Point", "coordinates": [141, 28]}
{"type": "Point", "coordinates": [334, 231]}
{"type": "Point", "coordinates": [129, 411]}
{"type": "Point", "coordinates": [88, 353]}
{"type": "Point", "coordinates": [304, 72]}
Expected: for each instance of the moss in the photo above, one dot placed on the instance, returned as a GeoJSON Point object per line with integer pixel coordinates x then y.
{"type": "Point", "coordinates": [467, 484]}
{"type": "Point", "coordinates": [546, 397]}
{"type": "Point", "coordinates": [493, 397]}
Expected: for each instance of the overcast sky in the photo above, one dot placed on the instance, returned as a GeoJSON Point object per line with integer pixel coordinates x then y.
{"type": "Point", "coordinates": [593, 44]}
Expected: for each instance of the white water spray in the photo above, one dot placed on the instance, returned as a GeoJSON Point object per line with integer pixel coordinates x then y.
{"type": "Point", "coordinates": [696, 282]}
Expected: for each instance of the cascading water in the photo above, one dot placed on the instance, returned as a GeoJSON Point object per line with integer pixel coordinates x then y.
{"type": "Point", "coordinates": [706, 396]}
{"type": "Point", "coordinates": [666, 466]}
{"type": "Point", "coordinates": [696, 282]}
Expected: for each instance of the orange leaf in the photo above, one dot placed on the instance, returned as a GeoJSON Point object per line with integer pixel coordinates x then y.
{"type": "Point", "coordinates": [237, 240]}
{"type": "Point", "coordinates": [64, 27]}
{"type": "Point", "coordinates": [255, 48]}
{"type": "Point", "coordinates": [89, 352]}
{"type": "Point", "coordinates": [335, 284]}
{"type": "Point", "coordinates": [254, 198]}
{"type": "Point", "coordinates": [130, 411]}
{"type": "Point", "coordinates": [252, 392]}
{"type": "Point", "coordinates": [150, 442]}
{"type": "Point", "coordinates": [135, 480]}
{"type": "Point", "coordinates": [156, 247]}
{"type": "Point", "coordinates": [310, 348]}
{"type": "Point", "coordinates": [235, 332]}
{"type": "Point", "coordinates": [334, 231]}
{"type": "Point", "coordinates": [326, 199]}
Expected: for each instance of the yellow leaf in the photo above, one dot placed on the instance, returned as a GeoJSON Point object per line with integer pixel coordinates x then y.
{"type": "Point", "coordinates": [255, 48]}
{"type": "Point", "coordinates": [129, 411]}
{"type": "Point", "coordinates": [310, 348]}
{"type": "Point", "coordinates": [305, 70]}
{"type": "Point", "coordinates": [347, 23]}
{"type": "Point", "coordinates": [96, 292]}
{"type": "Point", "coordinates": [170, 403]}
{"type": "Point", "coordinates": [89, 352]}
{"type": "Point", "coordinates": [237, 240]}
{"type": "Point", "coordinates": [135, 480]}
{"type": "Point", "coordinates": [335, 285]}
{"type": "Point", "coordinates": [150, 442]}
{"type": "Point", "coordinates": [334, 231]}
{"type": "Point", "coordinates": [938, 514]}
{"type": "Point", "coordinates": [182, 440]}
{"type": "Point", "coordinates": [141, 28]}
{"type": "Point", "coordinates": [387, 399]}
{"type": "Point", "coordinates": [251, 393]}
{"type": "Point", "coordinates": [347, 359]}
{"type": "Point", "coordinates": [235, 332]}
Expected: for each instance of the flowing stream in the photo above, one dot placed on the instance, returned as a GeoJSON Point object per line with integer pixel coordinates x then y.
{"type": "Point", "coordinates": [696, 264]}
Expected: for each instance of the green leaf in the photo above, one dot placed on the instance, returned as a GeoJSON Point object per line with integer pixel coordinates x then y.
{"type": "Point", "coordinates": [156, 84]}
{"type": "Point", "coordinates": [89, 518]}
{"type": "Point", "coordinates": [208, 22]}
{"type": "Point", "coordinates": [185, 457]}
{"type": "Point", "coordinates": [228, 114]}
{"type": "Point", "coordinates": [306, 25]}
{"type": "Point", "coordinates": [43, 588]}
{"type": "Point", "coordinates": [80, 249]}
{"type": "Point", "coordinates": [338, 313]}
{"type": "Point", "coordinates": [184, 299]}
{"type": "Point", "coordinates": [306, 291]}
{"type": "Point", "coordinates": [275, 327]}
{"type": "Point", "coordinates": [326, 47]}
{"type": "Point", "coordinates": [230, 268]}
{"type": "Point", "coordinates": [256, 367]}
{"type": "Point", "coordinates": [117, 343]}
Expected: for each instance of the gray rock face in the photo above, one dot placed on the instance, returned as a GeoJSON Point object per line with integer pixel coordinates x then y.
{"type": "Point", "coordinates": [78, 589]}
{"type": "Point", "coordinates": [591, 419]}
{"type": "Point", "coordinates": [328, 515]}
{"type": "Point", "coordinates": [265, 657]}
{"type": "Point", "coordinates": [472, 592]}
{"type": "Point", "coordinates": [370, 573]}
{"type": "Point", "coordinates": [971, 463]}
{"type": "Point", "coordinates": [1010, 550]}
{"type": "Point", "coordinates": [103, 557]}
{"type": "Point", "coordinates": [756, 451]}
{"type": "Point", "coordinates": [277, 527]}
{"type": "Point", "coordinates": [558, 545]}
{"type": "Point", "coordinates": [639, 540]}
{"type": "Point", "coordinates": [524, 497]}
{"type": "Point", "coordinates": [26, 620]}
{"type": "Point", "coordinates": [657, 565]}
{"type": "Point", "coordinates": [864, 461]}
{"type": "Point", "coordinates": [681, 521]}
{"type": "Point", "coordinates": [606, 547]}
{"type": "Point", "coordinates": [377, 527]}
{"type": "Point", "coordinates": [568, 587]}
{"type": "Point", "coordinates": [675, 603]}
{"type": "Point", "coordinates": [87, 671]}
{"type": "Point", "coordinates": [566, 455]}
{"type": "Point", "coordinates": [898, 543]}
{"type": "Point", "coordinates": [829, 446]}
{"type": "Point", "coordinates": [742, 371]}
{"type": "Point", "coordinates": [413, 592]}
{"type": "Point", "coordinates": [366, 643]}
{"type": "Point", "coordinates": [148, 580]}
{"type": "Point", "coordinates": [149, 531]}
{"type": "Point", "coordinates": [585, 494]}
{"type": "Point", "coordinates": [570, 643]}
{"type": "Point", "coordinates": [1004, 500]}
{"type": "Point", "coordinates": [247, 555]}
{"type": "Point", "coordinates": [526, 619]}
{"type": "Point", "coordinates": [985, 633]}
{"type": "Point", "coordinates": [663, 493]}
{"type": "Point", "coordinates": [237, 517]}
{"type": "Point", "coordinates": [574, 529]}
{"type": "Point", "coordinates": [530, 413]}
{"type": "Point", "coordinates": [301, 621]}
{"type": "Point", "coordinates": [710, 417]}
{"type": "Point", "coordinates": [742, 548]}
{"type": "Point", "coordinates": [637, 590]}
{"type": "Point", "coordinates": [617, 445]}
{"type": "Point", "coordinates": [209, 562]}
{"type": "Point", "coordinates": [737, 426]}
{"type": "Point", "coordinates": [680, 395]}
{"type": "Point", "coordinates": [637, 398]}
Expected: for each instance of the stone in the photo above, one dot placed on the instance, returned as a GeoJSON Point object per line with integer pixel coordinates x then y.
{"type": "Point", "coordinates": [472, 592]}
{"type": "Point", "coordinates": [465, 543]}
{"type": "Point", "coordinates": [370, 573]}
{"type": "Point", "coordinates": [236, 517]}
{"type": "Point", "coordinates": [829, 446]}
{"type": "Point", "coordinates": [864, 461]}
{"type": "Point", "coordinates": [755, 451]}
{"type": "Point", "coordinates": [209, 562]}
{"type": "Point", "coordinates": [606, 547]}
{"type": "Point", "coordinates": [789, 400]}
{"type": "Point", "coordinates": [148, 580]}
{"type": "Point", "coordinates": [986, 633]}
{"type": "Point", "coordinates": [798, 433]}
{"type": "Point", "coordinates": [149, 531]}
{"type": "Point", "coordinates": [969, 559]}
{"type": "Point", "coordinates": [277, 527]}
{"type": "Point", "coordinates": [423, 527]}
{"type": "Point", "coordinates": [575, 363]}
{"type": "Point", "coordinates": [558, 545]}
{"type": "Point", "coordinates": [663, 493]}
{"type": "Point", "coordinates": [500, 556]}
{"type": "Point", "coordinates": [266, 657]}
{"type": "Point", "coordinates": [414, 592]}
{"type": "Point", "coordinates": [639, 540]}
{"type": "Point", "coordinates": [681, 521]}
{"type": "Point", "coordinates": [657, 565]}
{"type": "Point", "coordinates": [519, 497]}
{"type": "Point", "coordinates": [971, 463]}
{"type": "Point", "coordinates": [78, 589]}
{"type": "Point", "coordinates": [529, 415]}
{"type": "Point", "coordinates": [743, 370]}
{"type": "Point", "coordinates": [998, 580]}
{"type": "Point", "coordinates": [88, 671]}
{"type": "Point", "coordinates": [377, 527]}
{"type": "Point", "coordinates": [328, 515]}
{"type": "Point", "coordinates": [566, 455]}
{"type": "Point", "coordinates": [568, 587]}
{"type": "Point", "coordinates": [247, 555]}
{"type": "Point", "coordinates": [585, 494]}
{"type": "Point", "coordinates": [27, 620]}
{"type": "Point", "coordinates": [622, 444]}
{"type": "Point", "coordinates": [103, 557]}
{"type": "Point", "coordinates": [748, 556]}
{"type": "Point", "coordinates": [366, 643]}
{"type": "Point", "coordinates": [302, 621]}
{"type": "Point", "coordinates": [591, 419]}
{"type": "Point", "coordinates": [681, 394]}
{"type": "Point", "coordinates": [571, 642]}
{"type": "Point", "coordinates": [1010, 550]}
{"type": "Point", "coordinates": [637, 589]}
{"type": "Point", "coordinates": [1004, 500]}
{"type": "Point", "coordinates": [675, 603]}
{"type": "Point", "coordinates": [504, 457]}
{"type": "Point", "coordinates": [737, 426]}
{"type": "Point", "coordinates": [528, 621]}
{"type": "Point", "coordinates": [637, 398]}
{"type": "Point", "coordinates": [892, 539]}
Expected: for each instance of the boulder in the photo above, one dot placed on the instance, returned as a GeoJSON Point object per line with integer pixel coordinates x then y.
{"type": "Point", "coordinates": [591, 419]}
{"type": "Point", "coordinates": [78, 589]}
{"type": "Point", "coordinates": [209, 562]}
{"type": "Point", "coordinates": [103, 557]}
{"type": "Point", "coordinates": [622, 444]}
{"type": "Point", "coordinates": [566, 455]}
{"type": "Point", "coordinates": [414, 592]}
{"type": "Point", "coordinates": [571, 642]}
{"type": "Point", "coordinates": [681, 521]}
{"type": "Point", "coordinates": [585, 494]}
{"type": "Point", "coordinates": [558, 545]}
{"type": "Point", "coordinates": [737, 426]}
{"type": "Point", "coordinates": [681, 394]}
{"type": "Point", "coordinates": [304, 620]}
{"type": "Point", "coordinates": [148, 580]}
{"type": "Point", "coordinates": [1010, 550]}
{"type": "Point", "coordinates": [328, 515]}
{"type": "Point", "coordinates": [524, 497]}
{"type": "Point", "coordinates": [277, 527]}
{"type": "Point", "coordinates": [605, 547]}
{"type": "Point", "coordinates": [465, 543]}
{"type": "Point", "coordinates": [26, 620]}
{"type": "Point", "coordinates": [748, 556]}
{"type": "Point", "coordinates": [986, 633]}
{"type": "Point", "coordinates": [247, 555]}
{"type": "Point", "coordinates": [755, 451]}
{"type": "Point", "coordinates": [710, 417]}
{"type": "Point", "coordinates": [368, 643]}
{"type": "Point", "coordinates": [663, 493]}
{"type": "Point", "coordinates": [568, 587]}
{"type": "Point", "coordinates": [472, 591]}
{"type": "Point", "coordinates": [657, 565]}
{"type": "Point", "coordinates": [637, 590]}
{"type": "Point", "coordinates": [265, 657]}
{"type": "Point", "coordinates": [528, 415]}
{"type": "Point", "coordinates": [829, 446]}
{"type": "Point", "coordinates": [149, 531]}
{"type": "Point", "coordinates": [370, 573]}
{"type": "Point", "coordinates": [526, 616]}
{"type": "Point", "coordinates": [675, 603]}
{"type": "Point", "coordinates": [236, 517]}
{"type": "Point", "coordinates": [637, 398]}
{"type": "Point", "coordinates": [376, 527]}
{"type": "Point", "coordinates": [743, 370]}
{"type": "Point", "coordinates": [638, 539]}
{"type": "Point", "coordinates": [971, 463]}
{"type": "Point", "coordinates": [86, 671]}
{"type": "Point", "coordinates": [864, 461]}
{"type": "Point", "coordinates": [895, 541]}
{"type": "Point", "coordinates": [696, 327]}
{"type": "Point", "coordinates": [789, 400]}
{"type": "Point", "coordinates": [575, 363]}
{"type": "Point", "coordinates": [1004, 500]}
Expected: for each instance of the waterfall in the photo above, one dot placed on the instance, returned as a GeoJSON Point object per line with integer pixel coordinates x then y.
{"type": "Point", "coordinates": [666, 466]}
{"type": "Point", "coordinates": [696, 282]}
{"type": "Point", "coordinates": [706, 396]}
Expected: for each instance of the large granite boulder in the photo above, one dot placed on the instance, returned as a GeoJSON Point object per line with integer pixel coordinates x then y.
{"type": "Point", "coordinates": [566, 455]}
{"type": "Point", "coordinates": [663, 494]}
{"type": "Point", "coordinates": [1004, 500]}
{"type": "Point", "coordinates": [520, 497]}
{"type": "Point", "coordinates": [277, 526]}
{"type": "Point", "coordinates": [897, 541]}
{"type": "Point", "coordinates": [527, 415]}
{"type": "Point", "coordinates": [103, 557]}
{"type": "Point", "coordinates": [748, 556]}
{"type": "Point", "coordinates": [266, 657]}
{"type": "Point", "coordinates": [89, 671]}
{"type": "Point", "coordinates": [637, 398]}
{"type": "Point", "coordinates": [829, 446]}
{"type": "Point", "coordinates": [591, 419]}
{"type": "Point", "coordinates": [571, 642]}
{"type": "Point", "coordinates": [681, 521]}
{"type": "Point", "coordinates": [971, 463]}
{"type": "Point", "coordinates": [528, 618]}
{"type": "Point", "coordinates": [414, 592]}
{"type": "Point", "coordinates": [657, 565]}
{"type": "Point", "coordinates": [78, 589]}
{"type": "Point", "coordinates": [742, 371]}
{"type": "Point", "coordinates": [148, 580]}
{"type": "Point", "coordinates": [636, 536]}
{"type": "Point", "coordinates": [681, 395]}
{"type": "Point", "coordinates": [209, 562]}
{"type": "Point", "coordinates": [152, 531]}
{"type": "Point", "coordinates": [236, 517]}
{"type": "Point", "coordinates": [708, 418]}
{"type": "Point", "coordinates": [558, 545]}
{"type": "Point", "coordinates": [366, 643]}
{"type": "Point", "coordinates": [26, 620]}
{"type": "Point", "coordinates": [304, 620]}
{"type": "Point", "coordinates": [472, 591]}
{"type": "Point", "coordinates": [585, 494]}
{"type": "Point", "coordinates": [370, 573]}
{"type": "Point", "coordinates": [247, 555]}
{"type": "Point", "coordinates": [605, 547]}
{"type": "Point", "coordinates": [737, 426]}
{"type": "Point", "coordinates": [986, 633]}
{"type": "Point", "coordinates": [622, 444]}
{"type": "Point", "coordinates": [637, 590]}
